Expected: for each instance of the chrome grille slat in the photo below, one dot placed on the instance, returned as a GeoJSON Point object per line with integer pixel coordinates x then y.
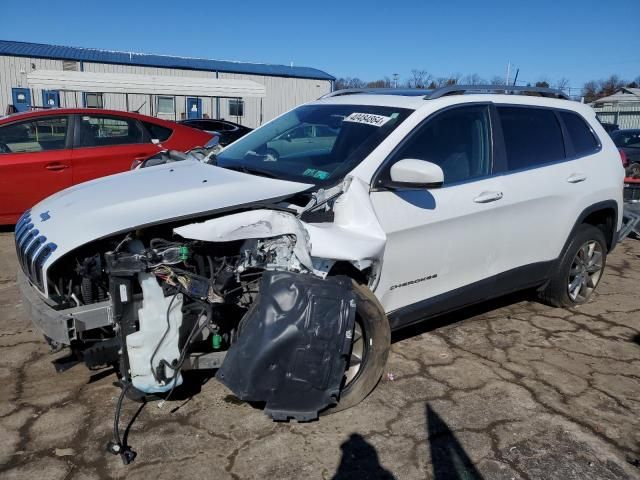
{"type": "Point", "coordinates": [30, 253]}
{"type": "Point", "coordinates": [32, 248]}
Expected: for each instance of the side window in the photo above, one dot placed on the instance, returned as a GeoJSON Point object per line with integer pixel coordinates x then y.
{"type": "Point", "coordinates": [458, 140]}
{"type": "Point", "coordinates": [581, 136]}
{"type": "Point", "coordinates": [98, 131]}
{"type": "Point", "coordinates": [158, 132]}
{"type": "Point", "coordinates": [532, 136]}
{"type": "Point", "coordinates": [34, 136]}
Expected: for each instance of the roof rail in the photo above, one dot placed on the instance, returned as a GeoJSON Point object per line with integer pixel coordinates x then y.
{"type": "Point", "coordinates": [413, 92]}
{"type": "Point", "coordinates": [506, 89]}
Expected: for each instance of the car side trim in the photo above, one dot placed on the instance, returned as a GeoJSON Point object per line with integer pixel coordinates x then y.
{"type": "Point", "coordinates": [520, 278]}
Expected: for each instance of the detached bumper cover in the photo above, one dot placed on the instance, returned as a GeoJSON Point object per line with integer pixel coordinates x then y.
{"type": "Point", "coordinates": [61, 326]}
{"type": "Point", "coordinates": [293, 345]}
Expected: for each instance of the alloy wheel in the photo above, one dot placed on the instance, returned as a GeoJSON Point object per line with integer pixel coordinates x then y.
{"type": "Point", "coordinates": [585, 272]}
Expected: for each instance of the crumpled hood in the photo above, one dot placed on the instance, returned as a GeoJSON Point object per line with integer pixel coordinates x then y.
{"type": "Point", "coordinates": [117, 203]}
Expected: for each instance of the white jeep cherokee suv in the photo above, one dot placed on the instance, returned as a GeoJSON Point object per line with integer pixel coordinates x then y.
{"type": "Point", "coordinates": [286, 270]}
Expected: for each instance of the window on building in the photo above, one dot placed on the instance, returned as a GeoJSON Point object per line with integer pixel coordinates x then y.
{"type": "Point", "coordinates": [34, 136]}
{"type": "Point", "coordinates": [532, 136]}
{"type": "Point", "coordinates": [236, 107]}
{"type": "Point", "coordinates": [458, 140]}
{"type": "Point", "coordinates": [69, 66]}
{"type": "Point", "coordinates": [166, 105]}
{"type": "Point", "coordinates": [98, 131]}
{"type": "Point", "coordinates": [581, 135]}
{"type": "Point", "coordinates": [93, 100]}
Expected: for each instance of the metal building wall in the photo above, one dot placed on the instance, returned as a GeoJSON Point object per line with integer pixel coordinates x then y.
{"type": "Point", "coordinates": [283, 93]}
{"type": "Point", "coordinates": [625, 115]}
{"type": "Point", "coordinates": [13, 73]}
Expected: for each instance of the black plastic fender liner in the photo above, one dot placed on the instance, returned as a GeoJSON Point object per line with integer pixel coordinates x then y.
{"type": "Point", "coordinates": [293, 345]}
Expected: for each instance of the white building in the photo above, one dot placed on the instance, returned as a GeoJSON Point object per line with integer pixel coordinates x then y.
{"type": "Point", "coordinates": [621, 108]}
{"type": "Point", "coordinates": [36, 75]}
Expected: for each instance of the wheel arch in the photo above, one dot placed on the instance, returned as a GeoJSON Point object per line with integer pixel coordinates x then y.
{"type": "Point", "coordinates": [348, 269]}
{"type": "Point", "coordinates": [602, 215]}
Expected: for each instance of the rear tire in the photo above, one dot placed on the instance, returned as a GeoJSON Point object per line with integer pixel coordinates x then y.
{"type": "Point", "coordinates": [376, 342]}
{"type": "Point", "coordinates": [579, 270]}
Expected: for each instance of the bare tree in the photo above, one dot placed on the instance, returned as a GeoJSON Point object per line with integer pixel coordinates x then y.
{"type": "Point", "coordinates": [590, 91]}
{"type": "Point", "coordinates": [542, 84]}
{"type": "Point", "coordinates": [610, 85]}
{"type": "Point", "coordinates": [349, 82]}
{"type": "Point", "coordinates": [382, 83]}
{"type": "Point", "coordinates": [473, 79]}
{"type": "Point", "coordinates": [497, 80]}
{"type": "Point", "coordinates": [562, 84]}
{"type": "Point", "coordinates": [419, 79]}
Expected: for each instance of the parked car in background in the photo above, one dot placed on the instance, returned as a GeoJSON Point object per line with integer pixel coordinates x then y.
{"type": "Point", "coordinates": [628, 141]}
{"type": "Point", "coordinates": [228, 131]}
{"type": "Point", "coordinates": [43, 152]}
{"type": "Point", "coordinates": [609, 127]}
{"type": "Point", "coordinates": [312, 139]}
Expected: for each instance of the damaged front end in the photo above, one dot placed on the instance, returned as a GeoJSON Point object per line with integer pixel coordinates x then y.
{"type": "Point", "coordinates": [264, 296]}
{"type": "Point", "coordinates": [279, 334]}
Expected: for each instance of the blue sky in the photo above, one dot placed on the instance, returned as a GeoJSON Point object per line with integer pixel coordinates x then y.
{"type": "Point", "coordinates": [576, 39]}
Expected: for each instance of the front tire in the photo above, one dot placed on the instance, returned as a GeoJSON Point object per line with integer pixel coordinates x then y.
{"type": "Point", "coordinates": [579, 271]}
{"type": "Point", "coordinates": [369, 351]}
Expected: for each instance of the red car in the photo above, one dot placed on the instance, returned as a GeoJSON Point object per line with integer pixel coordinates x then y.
{"type": "Point", "coordinates": [42, 152]}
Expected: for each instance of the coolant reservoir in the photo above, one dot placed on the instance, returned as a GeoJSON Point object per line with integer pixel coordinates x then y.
{"type": "Point", "coordinates": [153, 325]}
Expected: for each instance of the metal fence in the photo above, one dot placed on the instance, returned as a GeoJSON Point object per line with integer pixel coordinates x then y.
{"type": "Point", "coordinates": [625, 115]}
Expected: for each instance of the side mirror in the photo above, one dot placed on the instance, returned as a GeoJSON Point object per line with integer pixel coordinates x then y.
{"type": "Point", "coordinates": [411, 173]}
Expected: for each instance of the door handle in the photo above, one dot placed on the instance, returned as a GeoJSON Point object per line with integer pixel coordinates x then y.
{"type": "Point", "coordinates": [487, 197]}
{"type": "Point", "coordinates": [576, 178]}
{"type": "Point", "coordinates": [56, 167]}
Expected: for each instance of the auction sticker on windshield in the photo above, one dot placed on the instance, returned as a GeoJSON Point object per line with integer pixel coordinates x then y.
{"type": "Point", "coordinates": [367, 119]}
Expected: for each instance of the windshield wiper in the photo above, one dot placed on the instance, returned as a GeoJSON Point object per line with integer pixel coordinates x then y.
{"type": "Point", "coordinates": [250, 171]}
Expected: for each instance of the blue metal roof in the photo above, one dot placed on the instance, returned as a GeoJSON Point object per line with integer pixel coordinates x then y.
{"type": "Point", "coordinates": [41, 50]}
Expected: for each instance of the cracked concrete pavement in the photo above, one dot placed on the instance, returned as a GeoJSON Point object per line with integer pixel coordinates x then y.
{"type": "Point", "coordinates": [508, 390]}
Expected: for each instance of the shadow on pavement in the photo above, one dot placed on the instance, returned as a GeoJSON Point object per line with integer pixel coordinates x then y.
{"type": "Point", "coordinates": [360, 460]}
{"type": "Point", "coordinates": [449, 459]}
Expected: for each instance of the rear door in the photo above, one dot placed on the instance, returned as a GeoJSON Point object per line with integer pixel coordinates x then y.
{"type": "Point", "coordinates": [35, 162]}
{"type": "Point", "coordinates": [543, 183]}
{"type": "Point", "coordinates": [108, 144]}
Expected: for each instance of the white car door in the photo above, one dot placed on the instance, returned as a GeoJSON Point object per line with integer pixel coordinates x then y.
{"type": "Point", "coordinates": [441, 240]}
{"type": "Point", "coordinates": [542, 185]}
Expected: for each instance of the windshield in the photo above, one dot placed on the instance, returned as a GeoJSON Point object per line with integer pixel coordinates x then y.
{"type": "Point", "coordinates": [316, 144]}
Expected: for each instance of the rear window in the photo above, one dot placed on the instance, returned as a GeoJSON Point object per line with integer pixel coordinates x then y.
{"type": "Point", "coordinates": [158, 132]}
{"type": "Point", "coordinates": [582, 138]}
{"type": "Point", "coordinates": [532, 136]}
